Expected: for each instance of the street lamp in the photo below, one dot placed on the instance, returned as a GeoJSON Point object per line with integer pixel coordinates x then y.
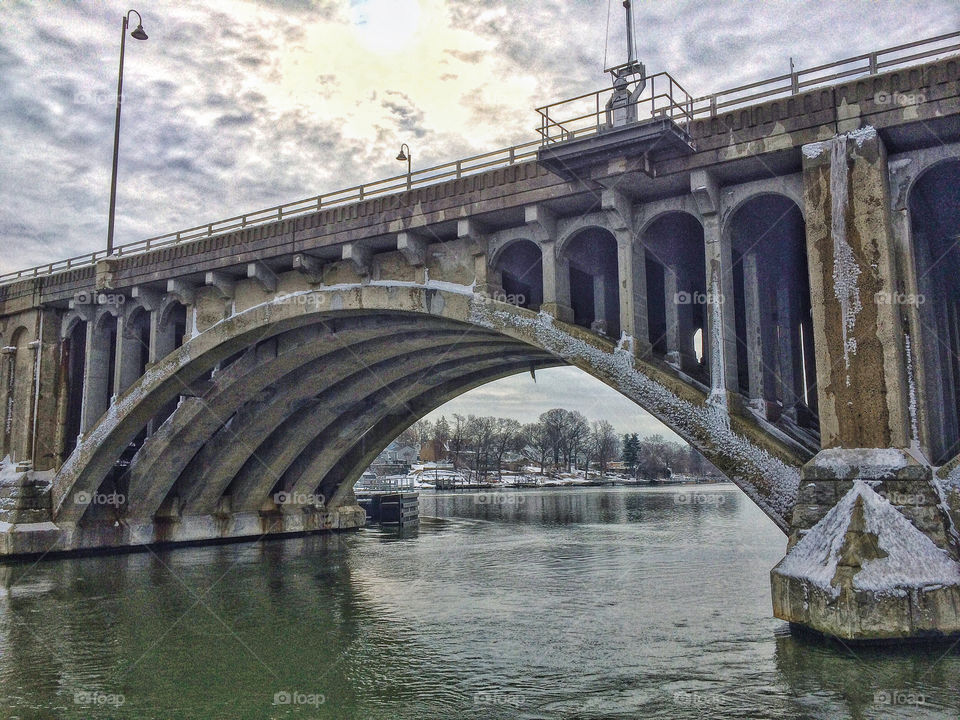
{"type": "Point", "coordinates": [408, 157]}
{"type": "Point", "coordinates": [138, 34]}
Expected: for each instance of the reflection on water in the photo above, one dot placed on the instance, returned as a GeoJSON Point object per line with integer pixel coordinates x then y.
{"type": "Point", "coordinates": [570, 603]}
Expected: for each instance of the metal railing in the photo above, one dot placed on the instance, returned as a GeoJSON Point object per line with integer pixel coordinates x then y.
{"type": "Point", "coordinates": [799, 81]}
{"type": "Point", "coordinates": [428, 176]}
{"type": "Point", "coordinates": [589, 114]}
{"type": "Point", "coordinates": [659, 104]}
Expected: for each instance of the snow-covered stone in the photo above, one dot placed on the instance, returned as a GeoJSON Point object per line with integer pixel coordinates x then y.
{"type": "Point", "coordinates": [903, 558]}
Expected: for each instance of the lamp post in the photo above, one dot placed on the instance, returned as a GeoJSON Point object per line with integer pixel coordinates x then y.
{"type": "Point", "coordinates": [408, 157]}
{"type": "Point", "coordinates": [138, 34]}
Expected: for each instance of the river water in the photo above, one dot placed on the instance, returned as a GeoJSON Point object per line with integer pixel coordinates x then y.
{"type": "Point", "coordinates": [568, 603]}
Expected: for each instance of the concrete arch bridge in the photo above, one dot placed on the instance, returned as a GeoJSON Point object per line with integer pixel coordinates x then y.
{"type": "Point", "coordinates": [745, 276]}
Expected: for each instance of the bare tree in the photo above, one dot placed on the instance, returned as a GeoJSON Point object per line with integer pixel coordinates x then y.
{"type": "Point", "coordinates": [458, 437]}
{"type": "Point", "coordinates": [537, 438]}
{"type": "Point", "coordinates": [441, 436]}
{"type": "Point", "coordinates": [606, 444]}
{"type": "Point", "coordinates": [506, 433]}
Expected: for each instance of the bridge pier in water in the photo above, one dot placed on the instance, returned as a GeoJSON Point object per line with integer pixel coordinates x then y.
{"type": "Point", "coordinates": [741, 281]}
{"type": "Point", "coordinates": [868, 499]}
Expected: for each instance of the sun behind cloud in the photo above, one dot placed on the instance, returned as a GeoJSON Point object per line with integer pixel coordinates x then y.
{"type": "Point", "coordinates": [385, 26]}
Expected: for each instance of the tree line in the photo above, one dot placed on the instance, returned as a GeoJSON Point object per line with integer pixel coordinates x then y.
{"type": "Point", "coordinates": [559, 441]}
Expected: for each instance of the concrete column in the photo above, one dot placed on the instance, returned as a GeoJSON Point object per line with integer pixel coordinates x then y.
{"type": "Point", "coordinates": [163, 339]}
{"type": "Point", "coordinates": [631, 269]}
{"type": "Point", "coordinates": [870, 492]}
{"type": "Point", "coordinates": [751, 294]}
{"type": "Point", "coordinates": [917, 352]}
{"type": "Point", "coordinates": [128, 355]}
{"type": "Point", "coordinates": [8, 361]}
{"type": "Point", "coordinates": [672, 314]}
{"type": "Point", "coordinates": [96, 380]}
{"type": "Point", "coordinates": [787, 351]}
{"type": "Point", "coordinates": [599, 304]}
{"type": "Point", "coordinates": [556, 283]}
{"type": "Point", "coordinates": [721, 323]}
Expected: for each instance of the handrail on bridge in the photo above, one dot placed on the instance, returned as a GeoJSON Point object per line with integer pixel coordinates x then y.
{"type": "Point", "coordinates": [659, 104]}
{"type": "Point", "coordinates": [662, 97]}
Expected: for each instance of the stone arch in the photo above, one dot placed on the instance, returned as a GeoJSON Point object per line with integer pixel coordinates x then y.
{"type": "Point", "coordinates": [590, 253]}
{"type": "Point", "coordinates": [789, 187]}
{"type": "Point", "coordinates": [518, 268]}
{"type": "Point", "coordinates": [572, 228]}
{"type": "Point", "coordinates": [516, 339]}
{"type": "Point", "coordinates": [774, 331]}
{"type": "Point", "coordinates": [675, 267]}
{"type": "Point", "coordinates": [933, 203]}
{"type": "Point", "coordinates": [69, 322]}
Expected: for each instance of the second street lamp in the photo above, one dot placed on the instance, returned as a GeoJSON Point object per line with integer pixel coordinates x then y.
{"type": "Point", "coordinates": [137, 34]}
{"type": "Point", "coordinates": [408, 156]}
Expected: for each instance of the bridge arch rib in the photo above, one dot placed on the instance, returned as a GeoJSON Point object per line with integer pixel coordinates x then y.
{"type": "Point", "coordinates": [314, 391]}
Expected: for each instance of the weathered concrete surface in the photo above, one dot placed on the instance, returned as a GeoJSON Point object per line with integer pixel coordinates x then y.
{"type": "Point", "coordinates": [865, 422]}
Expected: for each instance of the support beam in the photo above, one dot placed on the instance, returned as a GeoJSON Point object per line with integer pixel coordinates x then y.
{"type": "Point", "coordinates": [182, 290]}
{"type": "Point", "coordinates": [413, 247]}
{"type": "Point", "coordinates": [671, 309]}
{"type": "Point", "coordinates": [149, 298]}
{"type": "Point", "coordinates": [721, 338]}
{"type": "Point", "coordinates": [266, 277]}
{"type": "Point", "coordinates": [358, 255]}
{"type": "Point", "coordinates": [309, 266]}
{"type": "Point", "coordinates": [632, 272]}
{"type": "Point", "coordinates": [751, 295]}
{"type": "Point", "coordinates": [224, 284]}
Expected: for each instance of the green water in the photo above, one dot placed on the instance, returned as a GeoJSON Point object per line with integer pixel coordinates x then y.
{"type": "Point", "coordinates": [573, 603]}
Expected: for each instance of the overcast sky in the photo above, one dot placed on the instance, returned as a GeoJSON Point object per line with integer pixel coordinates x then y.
{"type": "Point", "coordinates": [235, 105]}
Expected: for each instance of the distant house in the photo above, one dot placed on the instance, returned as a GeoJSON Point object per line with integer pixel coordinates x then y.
{"type": "Point", "coordinates": [395, 458]}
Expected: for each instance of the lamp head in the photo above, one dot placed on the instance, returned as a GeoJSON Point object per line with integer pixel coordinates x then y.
{"type": "Point", "coordinates": [139, 34]}
{"type": "Point", "coordinates": [402, 156]}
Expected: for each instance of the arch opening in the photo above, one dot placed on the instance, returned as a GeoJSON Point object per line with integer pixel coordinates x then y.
{"type": "Point", "coordinates": [594, 280]}
{"type": "Point", "coordinates": [774, 327]}
{"type": "Point", "coordinates": [934, 205]}
{"type": "Point", "coordinates": [519, 269]}
{"type": "Point", "coordinates": [517, 341]}
{"type": "Point", "coordinates": [675, 268]}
